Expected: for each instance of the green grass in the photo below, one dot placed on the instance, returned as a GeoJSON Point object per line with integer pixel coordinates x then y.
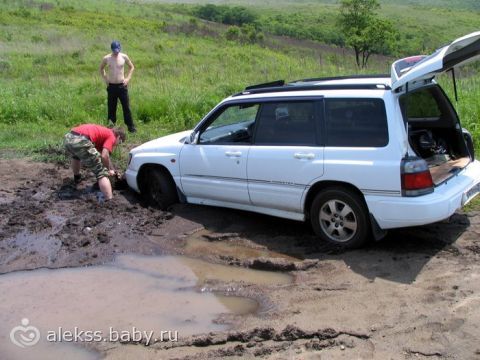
{"type": "Point", "coordinates": [473, 205]}
{"type": "Point", "coordinates": [51, 50]}
{"type": "Point", "coordinates": [423, 25]}
{"type": "Point", "coordinates": [50, 81]}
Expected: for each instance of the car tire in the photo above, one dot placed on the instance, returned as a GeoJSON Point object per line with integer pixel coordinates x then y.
{"type": "Point", "coordinates": [159, 188]}
{"type": "Point", "coordinates": [340, 216]}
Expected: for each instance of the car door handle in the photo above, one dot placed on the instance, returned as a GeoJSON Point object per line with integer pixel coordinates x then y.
{"type": "Point", "coordinates": [308, 156]}
{"type": "Point", "coordinates": [233, 153]}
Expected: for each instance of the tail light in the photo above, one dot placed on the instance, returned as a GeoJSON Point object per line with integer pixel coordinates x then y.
{"type": "Point", "coordinates": [416, 177]}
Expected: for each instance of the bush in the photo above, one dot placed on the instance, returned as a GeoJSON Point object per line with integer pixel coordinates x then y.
{"type": "Point", "coordinates": [158, 48]}
{"type": "Point", "coordinates": [7, 36]}
{"type": "Point", "coordinates": [36, 39]}
{"type": "Point", "coordinates": [4, 65]}
{"type": "Point", "coordinates": [247, 34]}
{"type": "Point", "coordinates": [233, 33]}
{"type": "Point", "coordinates": [237, 15]}
{"type": "Point", "coordinates": [162, 26]}
{"type": "Point", "coordinates": [22, 12]}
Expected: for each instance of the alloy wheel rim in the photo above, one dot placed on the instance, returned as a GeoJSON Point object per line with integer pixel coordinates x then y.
{"type": "Point", "coordinates": [338, 220]}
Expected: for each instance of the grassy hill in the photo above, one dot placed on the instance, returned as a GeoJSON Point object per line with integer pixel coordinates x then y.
{"type": "Point", "coordinates": [422, 25]}
{"type": "Point", "coordinates": [50, 51]}
{"type": "Point", "coordinates": [447, 4]}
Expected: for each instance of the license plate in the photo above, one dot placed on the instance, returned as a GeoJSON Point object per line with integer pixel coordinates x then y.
{"type": "Point", "coordinates": [474, 191]}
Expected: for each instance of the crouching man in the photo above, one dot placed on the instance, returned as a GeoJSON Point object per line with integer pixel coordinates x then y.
{"type": "Point", "coordinates": [91, 145]}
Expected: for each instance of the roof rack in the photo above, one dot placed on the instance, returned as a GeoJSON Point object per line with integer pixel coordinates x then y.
{"type": "Point", "coordinates": [309, 84]}
{"type": "Point", "coordinates": [364, 76]}
{"type": "Point", "coordinates": [292, 87]}
{"type": "Point", "coordinates": [266, 85]}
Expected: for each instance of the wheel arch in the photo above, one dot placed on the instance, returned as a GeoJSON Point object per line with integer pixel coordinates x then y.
{"type": "Point", "coordinates": [322, 185]}
{"type": "Point", "coordinates": [145, 168]}
{"type": "Point", "coordinates": [377, 232]}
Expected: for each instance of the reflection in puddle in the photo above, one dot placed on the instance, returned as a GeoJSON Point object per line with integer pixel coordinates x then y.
{"type": "Point", "coordinates": [146, 293]}
{"type": "Point", "coordinates": [193, 272]}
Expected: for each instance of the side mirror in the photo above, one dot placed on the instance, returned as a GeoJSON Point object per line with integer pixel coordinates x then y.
{"type": "Point", "coordinates": [192, 139]}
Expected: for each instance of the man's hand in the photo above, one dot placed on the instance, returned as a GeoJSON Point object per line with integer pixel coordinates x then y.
{"type": "Point", "coordinates": [130, 70]}
{"type": "Point", "coordinates": [111, 172]}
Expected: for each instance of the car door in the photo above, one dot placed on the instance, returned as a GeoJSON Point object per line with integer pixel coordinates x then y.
{"type": "Point", "coordinates": [286, 156]}
{"type": "Point", "coordinates": [214, 167]}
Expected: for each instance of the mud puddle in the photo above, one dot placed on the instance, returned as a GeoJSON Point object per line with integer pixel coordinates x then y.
{"type": "Point", "coordinates": [230, 245]}
{"type": "Point", "coordinates": [161, 296]}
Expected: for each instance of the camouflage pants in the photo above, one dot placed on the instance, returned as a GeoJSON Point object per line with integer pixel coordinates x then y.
{"type": "Point", "coordinates": [83, 149]}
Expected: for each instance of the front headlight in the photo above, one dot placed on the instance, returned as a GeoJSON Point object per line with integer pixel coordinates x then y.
{"type": "Point", "coordinates": [129, 159]}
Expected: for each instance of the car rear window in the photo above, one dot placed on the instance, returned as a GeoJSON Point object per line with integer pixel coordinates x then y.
{"type": "Point", "coordinates": [287, 123]}
{"type": "Point", "coordinates": [356, 123]}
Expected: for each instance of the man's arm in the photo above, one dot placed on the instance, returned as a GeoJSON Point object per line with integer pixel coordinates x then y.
{"type": "Point", "coordinates": [103, 74]}
{"type": "Point", "coordinates": [130, 70]}
{"type": "Point", "coordinates": [107, 162]}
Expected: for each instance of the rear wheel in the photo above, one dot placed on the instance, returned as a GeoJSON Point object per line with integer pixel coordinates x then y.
{"type": "Point", "coordinates": [158, 188]}
{"type": "Point", "coordinates": [340, 217]}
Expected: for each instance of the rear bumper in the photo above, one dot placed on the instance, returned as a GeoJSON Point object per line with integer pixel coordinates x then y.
{"type": "Point", "coordinates": [394, 212]}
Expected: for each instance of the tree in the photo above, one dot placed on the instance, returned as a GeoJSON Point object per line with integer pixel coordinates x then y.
{"type": "Point", "coordinates": [379, 38]}
{"type": "Point", "coordinates": [364, 31]}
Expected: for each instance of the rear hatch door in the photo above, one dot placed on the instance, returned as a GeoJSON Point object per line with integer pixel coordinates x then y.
{"type": "Point", "coordinates": [419, 68]}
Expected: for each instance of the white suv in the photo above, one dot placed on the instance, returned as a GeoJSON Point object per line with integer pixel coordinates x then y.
{"type": "Point", "coordinates": [354, 155]}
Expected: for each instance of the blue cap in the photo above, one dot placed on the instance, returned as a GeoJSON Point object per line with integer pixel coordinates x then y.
{"type": "Point", "coordinates": [115, 46]}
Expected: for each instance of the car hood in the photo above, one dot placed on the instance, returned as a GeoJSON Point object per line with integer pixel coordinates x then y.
{"type": "Point", "coordinates": [166, 143]}
{"type": "Point", "coordinates": [417, 68]}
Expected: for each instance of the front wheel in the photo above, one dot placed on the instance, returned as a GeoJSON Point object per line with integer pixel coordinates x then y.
{"type": "Point", "coordinates": [158, 188]}
{"type": "Point", "coordinates": [340, 217]}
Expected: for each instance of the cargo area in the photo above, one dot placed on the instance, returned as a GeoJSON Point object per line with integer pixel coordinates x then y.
{"type": "Point", "coordinates": [434, 132]}
{"type": "Point", "coordinates": [443, 171]}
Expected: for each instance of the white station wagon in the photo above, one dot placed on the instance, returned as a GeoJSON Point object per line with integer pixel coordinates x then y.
{"type": "Point", "coordinates": [355, 156]}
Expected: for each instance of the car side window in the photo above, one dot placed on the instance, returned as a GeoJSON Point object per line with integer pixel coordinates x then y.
{"type": "Point", "coordinates": [356, 123]}
{"type": "Point", "coordinates": [287, 123]}
{"type": "Point", "coordinates": [234, 125]}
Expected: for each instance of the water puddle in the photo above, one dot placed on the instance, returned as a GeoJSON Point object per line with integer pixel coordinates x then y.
{"type": "Point", "coordinates": [150, 297]}
{"type": "Point", "coordinates": [40, 244]}
{"type": "Point", "coordinates": [198, 244]}
{"type": "Point", "coordinates": [194, 272]}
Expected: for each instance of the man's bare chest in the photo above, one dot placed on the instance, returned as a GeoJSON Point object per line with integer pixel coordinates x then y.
{"type": "Point", "coordinates": [116, 63]}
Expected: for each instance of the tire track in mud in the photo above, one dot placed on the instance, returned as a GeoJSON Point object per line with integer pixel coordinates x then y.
{"type": "Point", "coordinates": [260, 341]}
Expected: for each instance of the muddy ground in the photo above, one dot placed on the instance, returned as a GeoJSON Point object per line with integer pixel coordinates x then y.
{"type": "Point", "coordinates": [416, 294]}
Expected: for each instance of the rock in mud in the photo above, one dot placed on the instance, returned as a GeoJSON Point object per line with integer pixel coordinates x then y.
{"type": "Point", "coordinates": [279, 264]}
{"type": "Point", "coordinates": [220, 237]}
{"type": "Point", "coordinates": [103, 238]}
{"type": "Point", "coordinates": [292, 333]}
{"type": "Point", "coordinates": [210, 339]}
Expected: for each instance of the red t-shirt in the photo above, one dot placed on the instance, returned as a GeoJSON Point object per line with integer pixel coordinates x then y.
{"type": "Point", "coordinates": [101, 136]}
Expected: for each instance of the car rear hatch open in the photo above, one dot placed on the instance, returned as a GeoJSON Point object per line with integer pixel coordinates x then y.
{"type": "Point", "coordinates": [432, 124]}
{"type": "Point", "coordinates": [415, 69]}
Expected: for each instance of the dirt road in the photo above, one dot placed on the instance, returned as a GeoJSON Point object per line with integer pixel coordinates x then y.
{"type": "Point", "coordinates": [416, 294]}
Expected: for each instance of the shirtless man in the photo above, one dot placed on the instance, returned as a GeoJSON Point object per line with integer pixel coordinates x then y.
{"type": "Point", "coordinates": [117, 84]}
